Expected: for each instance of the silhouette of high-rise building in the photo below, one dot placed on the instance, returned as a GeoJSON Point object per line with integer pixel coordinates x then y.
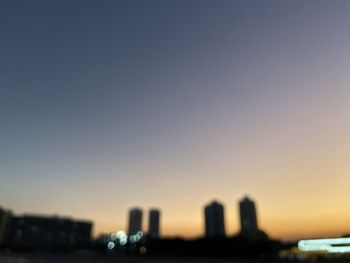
{"type": "Point", "coordinates": [135, 221]}
{"type": "Point", "coordinates": [249, 221]}
{"type": "Point", "coordinates": [154, 223]}
{"type": "Point", "coordinates": [248, 217]}
{"type": "Point", "coordinates": [214, 220]}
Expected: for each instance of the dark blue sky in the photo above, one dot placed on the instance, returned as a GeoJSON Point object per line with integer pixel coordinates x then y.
{"type": "Point", "coordinates": [109, 104]}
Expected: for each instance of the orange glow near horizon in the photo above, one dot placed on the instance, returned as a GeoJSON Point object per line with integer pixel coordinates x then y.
{"type": "Point", "coordinates": [284, 229]}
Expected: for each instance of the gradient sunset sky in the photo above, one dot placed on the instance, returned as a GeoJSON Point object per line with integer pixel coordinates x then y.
{"type": "Point", "coordinates": [106, 105]}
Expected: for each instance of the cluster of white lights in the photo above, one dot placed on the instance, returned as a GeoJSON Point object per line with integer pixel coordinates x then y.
{"type": "Point", "coordinates": [331, 245]}
{"type": "Point", "coordinates": [136, 238]}
{"type": "Point", "coordinates": [121, 238]}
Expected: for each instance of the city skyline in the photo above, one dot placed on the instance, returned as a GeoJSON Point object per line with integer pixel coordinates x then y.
{"type": "Point", "coordinates": [109, 104]}
{"type": "Point", "coordinates": [214, 222]}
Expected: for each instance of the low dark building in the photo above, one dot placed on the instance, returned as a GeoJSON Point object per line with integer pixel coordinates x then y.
{"type": "Point", "coordinates": [5, 217]}
{"type": "Point", "coordinates": [83, 230]}
{"type": "Point", "coordinates": [40, 232]}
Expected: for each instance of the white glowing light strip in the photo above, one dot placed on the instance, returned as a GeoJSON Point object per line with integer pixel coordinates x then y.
{"type": "Point", "coordinates": [343, 245]}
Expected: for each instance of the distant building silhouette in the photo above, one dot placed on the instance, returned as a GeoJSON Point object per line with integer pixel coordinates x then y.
{"type": "Point", "coordinates": [135, 221]}
{"type": "Point", "coordinates": [154, 223]}
{"type": "Point", "coordinates": [248, 219]}
{"type": "Point", "coordinates": [42, 232]}
{"type": "Point", "coordinates": [5, 217]}
{"type": "Point", "coordinates": [214, 220]}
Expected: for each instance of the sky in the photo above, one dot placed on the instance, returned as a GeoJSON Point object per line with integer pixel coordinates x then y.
{"type": "Point", "coordinates": [107, 105]}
